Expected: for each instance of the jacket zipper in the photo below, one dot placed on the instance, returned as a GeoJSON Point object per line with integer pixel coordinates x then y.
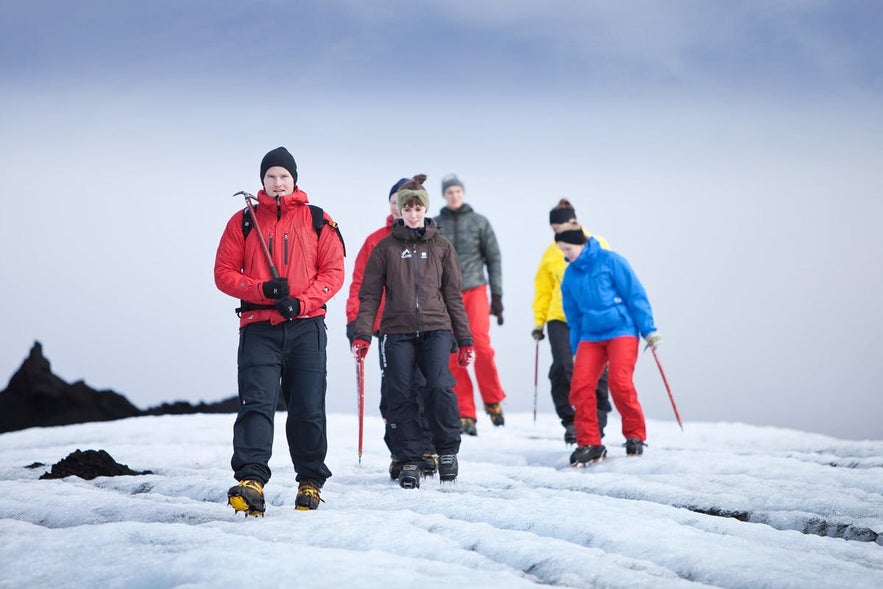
{"type": "Point", "coordinates": [416, 289]}
{"type": "Point", "coordinates": [285, 251]}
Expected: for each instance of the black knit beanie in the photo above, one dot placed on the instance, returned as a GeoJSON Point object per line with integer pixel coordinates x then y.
{"type": "Point", "coordinates": [396, 186]}
{"type": "Point", "coordinates": [574, 236]}
{"type": "Point", "coordinates": [560, 215]}
{"type": "Point", "coordinates": [279, 157]}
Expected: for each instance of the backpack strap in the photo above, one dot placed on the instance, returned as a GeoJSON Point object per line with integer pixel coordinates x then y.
{"type": "Point", "coordinates": [319, 221]}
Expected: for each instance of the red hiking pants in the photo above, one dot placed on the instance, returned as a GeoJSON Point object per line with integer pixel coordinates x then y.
{"type": "Point", "coordinates": [591, 357]}
{"type": "Point", "coordinates": [478, 310]}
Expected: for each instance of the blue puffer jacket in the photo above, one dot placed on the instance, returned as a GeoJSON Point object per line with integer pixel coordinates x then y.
{"type": "Point", "coordinates": [603, 298]}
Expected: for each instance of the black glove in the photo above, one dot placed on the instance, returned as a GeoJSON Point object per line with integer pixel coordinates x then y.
{"type": "Point", "coordinates": [497, 307]}
{"type": "Point", "coordinates": [538, 334]}
{"type": "Point", "coordinates": [351, 332]}
{"type": "Point", "coordinates": [276, 288]}
{"type": "Point", "coordinates": [288, 306]}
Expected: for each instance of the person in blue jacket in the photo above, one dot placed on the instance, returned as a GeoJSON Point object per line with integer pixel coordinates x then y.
{"type": "Point", "coordinates": [607, 310]}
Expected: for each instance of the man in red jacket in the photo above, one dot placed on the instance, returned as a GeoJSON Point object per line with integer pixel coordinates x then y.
{"type": "Point", "coordinates": [430, 462]}
{"type": "Point", "coordinates": [282, 334]}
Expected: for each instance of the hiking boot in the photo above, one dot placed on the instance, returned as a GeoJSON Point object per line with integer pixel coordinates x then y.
{"type": "Point", "coordinates": [634, 447]}
{"type": "Point", "coordinates": [430, 464]}
{"type": "Point", "coordinates": [585, 454]}
{"type": "Point", "coordinates": [307, 496]}
{"type": "Point", "coordinates": [496, 413]}
{"type": "Point", "coordinates": [570, 434]}
{"type": "Point", "coordinates": [247, 496]}
{"type": "Point", "coordinates": [409, 477]}
{"type": "Point", "coordinates": [467, 426]}
{"type": "Point", "coordinates": [447, 467]}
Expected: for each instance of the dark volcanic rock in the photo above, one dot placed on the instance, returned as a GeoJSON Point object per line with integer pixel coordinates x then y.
{"type": "Point", "coordinates": [88, 465]}
{"type": "Point", "coordinates": [36, 397]}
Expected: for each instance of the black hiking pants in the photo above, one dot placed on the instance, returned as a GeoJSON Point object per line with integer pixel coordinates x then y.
{"type": "Point", "coordinates": [420, 383]}
{"type": "Point", "coordinates": [561, 372]}
{"type": "Point", "coordinates": [405, 357]}
{"type": "Point", "coordinates": [289, 357]}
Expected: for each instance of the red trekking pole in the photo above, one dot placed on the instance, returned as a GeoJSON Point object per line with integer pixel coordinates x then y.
{"type": "Point", "coordinates": [667, 388]}
{"type": "Point", "coordinates": [254, 218]}
{"type": "Point", "coordinates": [536, 371]}
{"type": "Point", "coordinates": [360, 381]}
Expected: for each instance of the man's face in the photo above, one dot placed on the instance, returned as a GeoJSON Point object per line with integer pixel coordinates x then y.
{"type": "Point", "coordinates": [413, 215]}
{"type": "Point", "coordinates": [454, 197]}
{"type": "Point", "coordinates": [278, 182]}
{"type": "Point", "coordinates": [394, 206]}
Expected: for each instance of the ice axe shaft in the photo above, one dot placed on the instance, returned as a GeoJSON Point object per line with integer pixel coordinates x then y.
{"type": "Point", "coordinates": [667, 388]}
{"type": "Point", "coordinates": [536, 372]}
{"type": "Point", "coordinates": [360, 381]}
{"type": "Point", "coordinates": [254, 219]}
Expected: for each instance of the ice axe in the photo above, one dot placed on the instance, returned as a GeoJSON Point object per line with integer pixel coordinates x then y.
{"type": "Point", "coordinates": [360, 382]}
{"type": "Point", "coordinates": [254, 219]}
{"type": "Point", "coordinates": [667, 388]}
{"type": "Point", "coordinates": [536, 371]}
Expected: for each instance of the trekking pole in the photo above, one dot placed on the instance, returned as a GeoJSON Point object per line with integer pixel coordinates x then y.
{"type": "Point", "coordinates": [360, 381]}
{"type": "Point", "coordinates": [667, 388]}
{"type": "Point", "coordinates": [254, 218]}
{"type": "Point", "coordinates": [536, 372]}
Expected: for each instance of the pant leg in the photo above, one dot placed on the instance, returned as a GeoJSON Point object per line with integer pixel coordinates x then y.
{"type": "Point", "coordinates": [602, 395]}
{"type": "Point", "coordinates": [462, 387]}
{"type": "Point", "coordinates": [259, 373]}
{"type": "Point", "coordinates": [304, 384]}
{"type": "Point", "coordinates": [441, 409]}
{"type": "Point", "coordinates": [561, 370]}
{"type": "Point", "coordinates": [478, 310]}
{"type": "Point", "coordinates": [623, 354]}
{"type": "Point", "coordinates": [404, 431]}
{"type": "Point", "coordinates": [591, 357]}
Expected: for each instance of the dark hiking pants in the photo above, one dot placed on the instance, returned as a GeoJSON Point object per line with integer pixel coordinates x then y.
{"type": "Point", "coordinates": [289, 357]}
{"type": "Point", "coordinates": [406, 356]}
{"type": "Point", "coordinates": [420, 383]}
{"type": "Point", "coordinates": [561, 372]}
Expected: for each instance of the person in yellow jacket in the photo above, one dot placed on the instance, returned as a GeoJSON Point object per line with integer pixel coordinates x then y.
{"type": "Point", "coordinates": [549, 312]}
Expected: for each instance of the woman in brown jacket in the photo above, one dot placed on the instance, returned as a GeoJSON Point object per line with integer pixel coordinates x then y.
{"type": "Point", "coordinates": [418, 272]}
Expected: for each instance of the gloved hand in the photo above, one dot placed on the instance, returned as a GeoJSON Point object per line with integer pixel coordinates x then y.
{"type": "Point", "coordinates": [351, 331]}
{"type": "Point", "coordinates": [653, 341]}
{"type": "Point", "coordinates": [288, 306]}
{"type": "Point", "coordinates": [465, 356]}
{"type": "Point", "coordinates": [360, 348]}
{"type": "Point", "coordinates": [497, 307]}
{"type": "Point", "coordinates": [277, 288]}
{"type": "Point", "coordinates": [538, 334]}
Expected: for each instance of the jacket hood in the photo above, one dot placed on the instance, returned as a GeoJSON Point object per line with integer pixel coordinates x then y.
{"type": "Point", "coordinates": [465, 208]}
{"type": "Point", "coordinates": [588, 255]}
{"type": "Point", "coordinates": [298, 197]}
{"type": "Point", "coordinates": [403, 232]}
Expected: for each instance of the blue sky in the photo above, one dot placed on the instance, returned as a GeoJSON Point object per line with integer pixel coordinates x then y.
{"type": "Point", "coordinates": [729, 150]}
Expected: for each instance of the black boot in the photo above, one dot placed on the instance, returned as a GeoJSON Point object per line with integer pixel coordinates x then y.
{"type": "Point", "coordinates": [409, 476]}
{"type": "Point", "coordinates": [447, 467]}
{"type": "Point", "coordinates": [585, 454]}
{"type": "Point", "coordinates": [634, 447]}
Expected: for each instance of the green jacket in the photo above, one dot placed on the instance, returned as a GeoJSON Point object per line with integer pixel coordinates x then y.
{"type": "Point", "coordinates": [476, 245]}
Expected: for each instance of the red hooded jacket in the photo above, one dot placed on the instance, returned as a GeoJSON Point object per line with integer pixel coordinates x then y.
{"type": "Point", "coordinates": [352, 303]}
{"type": "Point", "coordinates": [313, 264]}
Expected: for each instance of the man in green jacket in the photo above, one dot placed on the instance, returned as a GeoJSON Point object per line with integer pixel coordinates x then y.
{"type": "Point", "coordinates": [476, 245]}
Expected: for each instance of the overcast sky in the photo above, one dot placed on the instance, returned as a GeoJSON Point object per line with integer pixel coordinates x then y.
{"type": "Point", "coordinates": [731, 151]}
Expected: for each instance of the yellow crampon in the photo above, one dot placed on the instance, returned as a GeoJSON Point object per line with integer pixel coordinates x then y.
{"type": "Point", "coordinates": [307, 497]}
{"type": "Point", "coordinates": [247, 496]}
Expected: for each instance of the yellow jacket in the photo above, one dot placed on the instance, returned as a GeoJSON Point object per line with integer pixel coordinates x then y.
{"type": "Point", "coordinates": [547, 284]}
